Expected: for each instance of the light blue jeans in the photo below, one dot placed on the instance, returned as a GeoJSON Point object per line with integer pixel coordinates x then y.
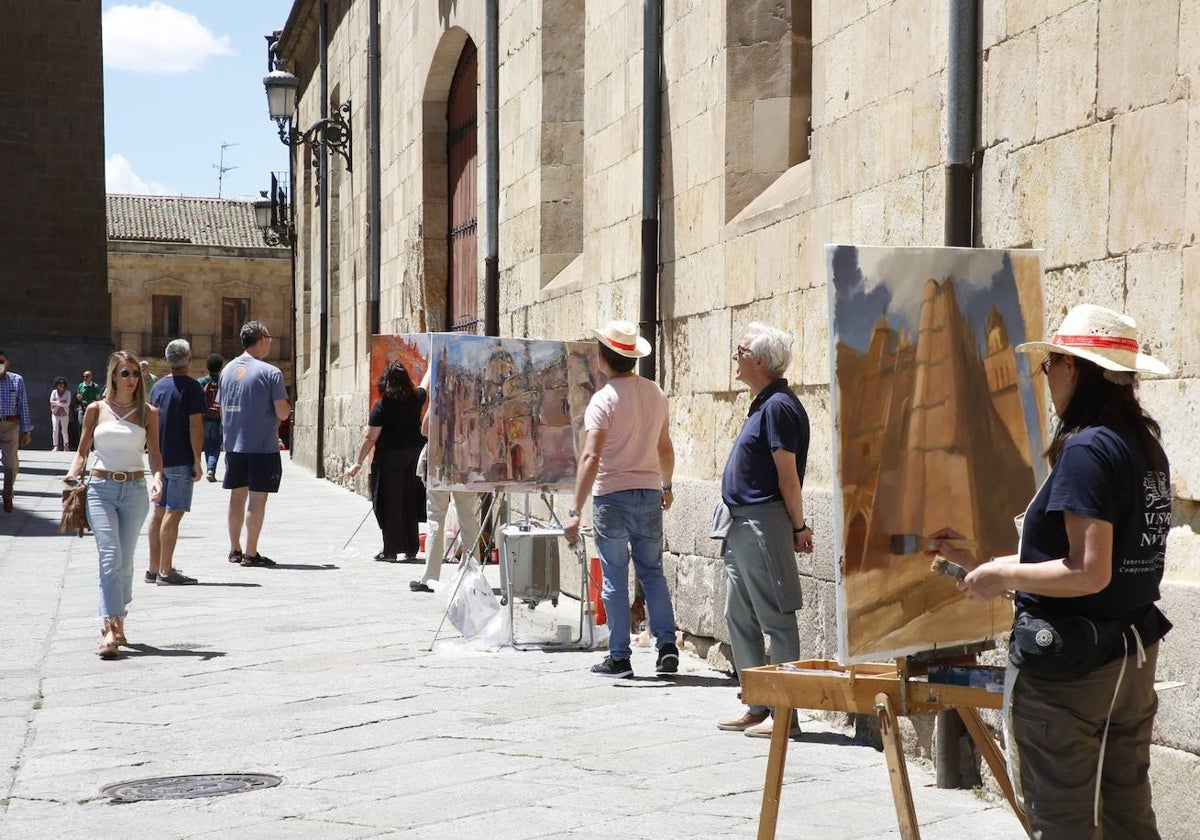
{"type": "Point", "coordinates": [625, 520]}
{"type": "Point", "coordinates": [116, 511]}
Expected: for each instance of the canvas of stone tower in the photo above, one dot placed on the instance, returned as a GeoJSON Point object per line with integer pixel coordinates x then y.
{"type": "Point", "coordinates": [938, 424]}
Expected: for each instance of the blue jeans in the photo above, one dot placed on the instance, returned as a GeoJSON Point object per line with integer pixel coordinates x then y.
{"type": "Point", "coordinates": [116, 511]}
{"type": "Point", "coordinates": [212, 443]}
{"type": "Point", "coordinates": [632, 519]}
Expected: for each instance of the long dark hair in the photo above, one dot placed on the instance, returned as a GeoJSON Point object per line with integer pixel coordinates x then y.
{"type": "Point", "coordinates": [395, 384]}
{"type": "Point", "coordinates": [1098, 401]}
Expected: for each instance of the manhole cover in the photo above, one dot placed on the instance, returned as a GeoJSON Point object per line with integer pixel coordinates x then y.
{"type": "Point", "coordinates": [189, 787]}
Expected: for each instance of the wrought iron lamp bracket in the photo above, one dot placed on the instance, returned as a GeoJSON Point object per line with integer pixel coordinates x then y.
{"type": "Point", "coordinates": [332, 134]}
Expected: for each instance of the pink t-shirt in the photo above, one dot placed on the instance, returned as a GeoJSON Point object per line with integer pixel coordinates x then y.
{"type": "Point", "coordinates": [633, 410]}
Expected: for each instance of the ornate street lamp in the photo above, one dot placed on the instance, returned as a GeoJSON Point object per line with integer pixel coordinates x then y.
{"type": "Point", "coordinates": [332, 133]}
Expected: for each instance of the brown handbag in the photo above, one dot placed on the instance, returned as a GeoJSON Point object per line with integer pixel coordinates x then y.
{"type": "Point", "coordinates": [74, 515]}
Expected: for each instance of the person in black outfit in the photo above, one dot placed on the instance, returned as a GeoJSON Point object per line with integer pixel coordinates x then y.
{"type": "Point", "coordinates": [1092, 555]}
{"type": "Point", "coordinates": [394, 432]}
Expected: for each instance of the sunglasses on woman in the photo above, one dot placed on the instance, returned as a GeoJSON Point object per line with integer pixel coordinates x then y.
{"type": "Point", "coordinates": [136, 374]}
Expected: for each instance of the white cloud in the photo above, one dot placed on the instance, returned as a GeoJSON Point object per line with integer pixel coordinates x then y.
{"type": "Point", "coordinates": [158, 38]}
{"type": "Point", "coordinates": [120, 179]}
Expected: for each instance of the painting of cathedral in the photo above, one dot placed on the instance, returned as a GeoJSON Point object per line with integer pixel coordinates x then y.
{"type": "Point", "coordinates": [410, 350]}
{"type": "Point", "coordinates": [506, 414]}
{"type": "Point", "coordinates": [938, 423]}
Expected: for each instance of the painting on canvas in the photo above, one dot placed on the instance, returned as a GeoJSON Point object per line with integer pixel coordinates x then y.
{"type": "Point", "coordinates": [506, 414]}
{"type": "Point", "coordinates": [938, 423]}
{"type": "Point", "coordinates": [411, 350]}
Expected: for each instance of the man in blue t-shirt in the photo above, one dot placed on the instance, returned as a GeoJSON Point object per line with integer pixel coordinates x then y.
{"type": "Point", "coordinates": [180, 403]}
{"type": "Point", "coordinates": [253, 403]}
{"type": "Point", "coordinates": [763, 524]}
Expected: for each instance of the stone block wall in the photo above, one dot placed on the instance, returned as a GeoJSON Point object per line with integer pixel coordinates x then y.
{"type": "Point", "coordinates": [1090, 150]}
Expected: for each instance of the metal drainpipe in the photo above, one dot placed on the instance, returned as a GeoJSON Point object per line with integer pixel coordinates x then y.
{"type": "Point", "coordinates": [323, 196]}
{"type": "Point", "coordinates": [491, 260]}
{"type": "Point", "coordinates": [651, 171]}
{"type": "Point", "coordinates": [374, 234]}
{"type": "Point", "coordinates": [962, 106]}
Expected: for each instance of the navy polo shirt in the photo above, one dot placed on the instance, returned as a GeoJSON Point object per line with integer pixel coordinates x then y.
{"type": "Point", "coordinates": [776, 420]}
{"type": "Point", "coordinates": [1103, 474]}
{"type": "Point", "coordinates": [177, 398]}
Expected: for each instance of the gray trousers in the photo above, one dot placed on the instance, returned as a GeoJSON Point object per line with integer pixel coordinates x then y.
{"type": "Point", "coordinates": [1057, 728]}
{"type": "Point", "coordinates": [10, 443]}
{"type": "Point", "coordinates": [750, 597]}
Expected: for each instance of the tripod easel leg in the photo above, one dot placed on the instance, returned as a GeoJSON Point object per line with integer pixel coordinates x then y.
{"type": "Point", "coordinates": [995, 761]}
{"type": "Point", "coordinates": [893, 749]}
{"type": "Point", "coordinates": [781, 733]}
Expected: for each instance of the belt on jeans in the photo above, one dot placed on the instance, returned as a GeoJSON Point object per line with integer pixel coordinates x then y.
{"type": "Point", "coordinates": [118, 475]}
{"type": "Point", "coordinates": [10, 418]}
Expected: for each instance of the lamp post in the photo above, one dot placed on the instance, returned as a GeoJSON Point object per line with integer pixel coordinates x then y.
{"type": "Point", "coordinates": [271, 214]}
{"type": "Point", "coordinates": [332, 133]}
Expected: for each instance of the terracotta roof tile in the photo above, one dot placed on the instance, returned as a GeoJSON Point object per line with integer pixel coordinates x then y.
{"type": "Point", "coordinates": [193, 221]}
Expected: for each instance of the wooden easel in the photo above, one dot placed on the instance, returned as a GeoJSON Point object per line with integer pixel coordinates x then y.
{"type": "Point", "coordinates": [887, 691]}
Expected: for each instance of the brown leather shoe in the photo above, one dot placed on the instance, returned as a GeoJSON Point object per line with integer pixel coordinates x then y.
{"type": "Point", "coordinates": [8, 505]}
{"type": "Point", "coordinates": [743, 723]}
{"type": "Point", "coordinates": [764, 729]}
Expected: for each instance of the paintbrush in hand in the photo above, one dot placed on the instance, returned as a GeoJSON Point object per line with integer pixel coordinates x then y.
{"type": "Point", "coordinates": [944, 567]}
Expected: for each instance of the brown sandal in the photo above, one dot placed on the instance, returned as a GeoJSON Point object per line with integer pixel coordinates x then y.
{"type": "Point", "coordinates": [109, 649]}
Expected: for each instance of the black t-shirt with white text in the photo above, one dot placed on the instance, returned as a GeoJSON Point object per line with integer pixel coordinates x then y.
{"type": "Point", "coordinates": [1103, 474]}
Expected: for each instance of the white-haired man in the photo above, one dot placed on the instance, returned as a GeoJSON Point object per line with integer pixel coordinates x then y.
{"type": "Point", "coordinates": [765, 524]}
{"type": "Point", "coordinates": [180, 403]}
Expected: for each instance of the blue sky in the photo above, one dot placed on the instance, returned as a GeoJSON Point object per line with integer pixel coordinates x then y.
{"type": "Point", "coordinates": [182, 77]}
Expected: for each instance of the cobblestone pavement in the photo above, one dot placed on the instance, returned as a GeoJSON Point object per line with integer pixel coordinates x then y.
{"type": "Point", "coordinates": [319, 671]}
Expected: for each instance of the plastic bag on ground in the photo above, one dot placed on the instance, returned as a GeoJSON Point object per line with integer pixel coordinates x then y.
{"type": "Point", "coordinates": [471, 606]}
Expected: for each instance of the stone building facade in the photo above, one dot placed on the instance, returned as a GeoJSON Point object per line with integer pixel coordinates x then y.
{"type": "Point", "coordinates": [54, 307]}
{"type": "Point", "coordinates": [194, 268]}
{"type": "Point", "coordinates": [787, 124]}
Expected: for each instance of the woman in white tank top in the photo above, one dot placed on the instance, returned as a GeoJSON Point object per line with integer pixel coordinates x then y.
{"type": "Point", "coordinates": [121, 427]}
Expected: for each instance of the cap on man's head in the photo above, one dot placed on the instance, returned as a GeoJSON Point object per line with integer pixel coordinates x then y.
{"type": "Point", "coordinates": [179, 353]}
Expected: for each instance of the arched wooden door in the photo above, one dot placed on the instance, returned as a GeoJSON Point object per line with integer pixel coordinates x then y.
{"type": "Point", "coordinates": [462, 293]}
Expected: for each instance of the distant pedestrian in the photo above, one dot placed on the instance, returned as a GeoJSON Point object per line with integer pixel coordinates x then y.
{"type": "Point", "coordinates": [180, 403]}
{"type": "Point", "coordinates": [86, 393]}
{"type": "Point", "coordinates": [629, 457]}
{"type": "Point", "coordinates": [762, 522]}
{"type": "Point", "coordinates": [16, 425]}
{"type": "Point", "coordinates": [212, 414]}
{"type": "Point", "coordinates": [60, 415]}
{"type": "Point", "coordinates": [253, 402]}
{"type": "Point", "coordinates": [149, 378]}
{"type": "Point", "coordinates": [394, 433]}
{"type": "Point", "coordinates": [121, 428]}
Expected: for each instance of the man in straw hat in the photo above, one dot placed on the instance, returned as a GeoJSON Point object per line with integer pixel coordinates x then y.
{"type": "Point", "coordinates": [627, 464]}
{"type": "Point", "coordinates": [1092, 553]}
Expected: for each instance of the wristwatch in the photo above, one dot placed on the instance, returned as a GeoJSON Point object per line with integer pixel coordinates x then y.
{"type": "Point", "coordinates": [802, 529]}
{"type": "Point", "coordinates": [572, 512]}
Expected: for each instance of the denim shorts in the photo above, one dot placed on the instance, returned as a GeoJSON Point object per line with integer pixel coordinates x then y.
{"type": "Point", "coordinates": [176, 489]}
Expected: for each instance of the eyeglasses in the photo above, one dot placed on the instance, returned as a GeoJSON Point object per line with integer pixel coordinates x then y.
{"type": "Point", "coordinates": [136, 374]}
{"type": "Point", "coordinates": [742, 351]}
{"type": "Point", "coordinates": [1047, 363]}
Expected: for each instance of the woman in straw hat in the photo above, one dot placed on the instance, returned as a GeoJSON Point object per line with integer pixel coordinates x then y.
{"type": "Point", "coordinates": [1086, 629]}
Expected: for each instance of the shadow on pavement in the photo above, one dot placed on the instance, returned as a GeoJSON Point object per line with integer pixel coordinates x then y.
{"type": "Point", "coordinates": [27, 470]}
{"type": "Point", "coordinates": [217, 583]}
{"type": "Point", "coordinates": [674, 681]}
{"type": "Point", "coordinates": [151, 650]}
{"type": "Point", "coordinates": [304, 567]}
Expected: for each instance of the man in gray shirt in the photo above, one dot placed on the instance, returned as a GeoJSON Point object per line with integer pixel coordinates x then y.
{"type": "Point", "coordinates": [253, 403]}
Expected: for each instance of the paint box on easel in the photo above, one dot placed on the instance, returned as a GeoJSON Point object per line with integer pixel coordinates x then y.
{"type": "Point", "coordinates": [987, 677]}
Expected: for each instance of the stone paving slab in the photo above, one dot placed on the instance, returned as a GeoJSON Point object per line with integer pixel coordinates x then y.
{"type": "Point", "coordinates": [320, 671]}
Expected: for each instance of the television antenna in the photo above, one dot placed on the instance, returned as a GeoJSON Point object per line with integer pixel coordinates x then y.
{"type": "Point", "coordinates": [222, 168]}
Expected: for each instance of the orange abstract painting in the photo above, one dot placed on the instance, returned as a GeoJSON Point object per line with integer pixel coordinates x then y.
{"type": "Point", "coordinates": [938, 423]}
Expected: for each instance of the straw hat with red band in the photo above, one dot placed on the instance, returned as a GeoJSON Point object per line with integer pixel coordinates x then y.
{"type": "Point", "coordinates": [1103, 336]}
{"type": "Point", "coordinates": [621, 337]}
